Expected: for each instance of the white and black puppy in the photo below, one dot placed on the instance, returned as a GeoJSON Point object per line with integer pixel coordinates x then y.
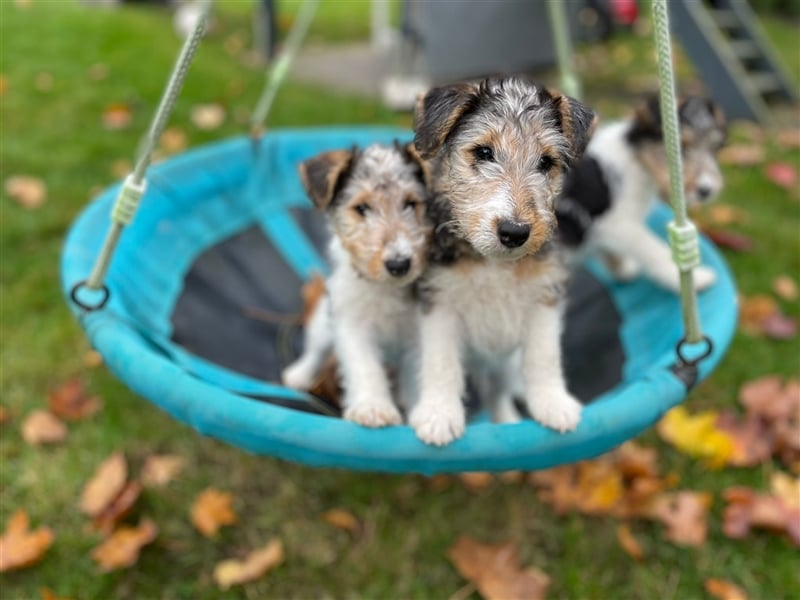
{"type": "Point", "coordinates": [609, 193]}
{"type": "Point", "coordinates": [375, 203]}
{"type": "Point", "coordinates": [498, 151]}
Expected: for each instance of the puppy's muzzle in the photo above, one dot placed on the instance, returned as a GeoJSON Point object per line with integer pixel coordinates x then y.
{"type": "Point", "coordinates": [704, 193]}
{"type": "Point", "coordinates": [513, 235]}
{"type": "Point", "coordinates": [397, 267]}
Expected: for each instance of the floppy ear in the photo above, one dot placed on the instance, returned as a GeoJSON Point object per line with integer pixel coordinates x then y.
{"type": "Point", "coordinates": [324, 175]}
{"type": "Point", "coordinates": [421, 166]}
{"type": "Point", "coordinates": [437, 113]}
{"type": "Point", "coordinates": [646, 121]}
{"type": "Point", "coordinates": [577, 122]}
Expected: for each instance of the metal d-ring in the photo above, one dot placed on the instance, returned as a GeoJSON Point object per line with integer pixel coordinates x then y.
{"type": "Point", "coordinates": [85, 306]}
{"type": "Point", "coordinates": [679, 351]}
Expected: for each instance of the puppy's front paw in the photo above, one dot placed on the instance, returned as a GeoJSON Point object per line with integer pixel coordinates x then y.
{"type": "Point", "coordinates": [438, 425]}
{"type": "Point", "coordinates": [372, 413]}
{"type": "Point", "coordinates": [555, 409]}
{"type": "Point", "coordinates": [298, 376]}
{"type": "Point", "coordinates": [704, 277]}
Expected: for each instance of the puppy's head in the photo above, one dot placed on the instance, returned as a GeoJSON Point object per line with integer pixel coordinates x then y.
{"type": "Point", "coordinates": [703, 132]}
{"type": "Point", "coordinates": [499, 150]}
{"type": "Point", "coordinates": [375, 202]}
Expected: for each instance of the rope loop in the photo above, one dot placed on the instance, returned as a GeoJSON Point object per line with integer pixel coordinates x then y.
{"type": "Point", "coordinates": [86, 306]}
{"type": "Point", "coordinates": [685, 246]}
{"type": "Point", "coordinates": [128, 200]}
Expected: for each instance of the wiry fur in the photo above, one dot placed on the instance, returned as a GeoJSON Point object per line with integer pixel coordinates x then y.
{"type": "Point", "coordinates": [610, 193]}
{"type": "Point", "coordinates": [375, 202]}
{"type": "Point", "coordinates": [484, 298]}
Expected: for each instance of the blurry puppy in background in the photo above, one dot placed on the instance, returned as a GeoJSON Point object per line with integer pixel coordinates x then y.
{"type": "Point", "coordinates": [375, 203]}
{"type": "Point", "coordinates": [609, 193]}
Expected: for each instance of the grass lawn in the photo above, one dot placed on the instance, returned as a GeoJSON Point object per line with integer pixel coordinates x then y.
{"type": "Point", "coordinates": [52, 107]}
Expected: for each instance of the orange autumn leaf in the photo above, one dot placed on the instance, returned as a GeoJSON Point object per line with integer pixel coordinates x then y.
{"type": "Point", "coordinates": [105, 485]}
{"type": "Point", "coordinates": [19, 546]}
{"type": "Point", "coordinates": [48, 594]}
{"type": "Point", "coordinates": [211, 510]}
{"type": "Point", "coordinates": [785, 287]}
{"type": "Point", "coordinates": [685, 515]}
{"type": "Point", "coordinates": [475, 481]}
{"type": "Point", "coordinates": [173, 140]}
{"type": "Point", "coordinates": [629, 544]}
{"type": "Point", "coordinates": [256, 564]}
{"type": "Point", "coordinates": [495, 571]}
{"type": "Point", "coordinates": [753, 443]}
{"type": "Point", "coordinates": [160, 469]}
{"type": "Point", "coordinates": [207, 116]}
{"type": "Point", "coordinates": [71, 402]}
{"type": "Point", "coordinates": [5, 415]}
{"type": "Point", "coordinates": [696, 435]}
{"type": "Point", "coordinates": [117, 116]}
{"type": "Point", "coordinates": [341, 519]}
{"type": "Point", "coordinates": [121, 549]}
{"type": "Point", "coordinates": [42, 427]}
{"type": "Point", "coordinates": [119, 507]}
{"type": "Point", "coordinates": [724, 590]}
{"type": "Point", "coordinates": [29, 192]}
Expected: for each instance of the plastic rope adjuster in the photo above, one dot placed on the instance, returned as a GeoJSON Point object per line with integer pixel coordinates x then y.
{"type": "Point", "coordinates": [128, 201]}
{"type": "Point", "coordinates": [685, 245]}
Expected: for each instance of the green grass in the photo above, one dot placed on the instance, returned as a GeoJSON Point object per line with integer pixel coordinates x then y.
{"type": "Point", "coordinates": [57, 135]}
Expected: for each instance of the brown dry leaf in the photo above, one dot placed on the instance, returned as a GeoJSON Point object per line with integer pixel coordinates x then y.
{"type": "Point", "coordinates": [777, 511]}
{"type": "Point", "coordinates": [785, 287]}
{"type": "Point", "coordinates": [29, 192]}
{"type": "Point", "coordinates": [685, 515]}
{"type": "Point", "coordinates": [119, 508]}
{"type": "Point", "coordinates": [5, 415]}
{"type": "Point", "coordinates": [211, 510]}
{"type": "Point", "coordinates": [105, 485]}
{"type": "Point", "coordinates": [725, 214]}
{"type": "Point", "coordinates": [495, 571]}
{"type": "Point", "coordinates": [121, 549]}
{"type": "Point", "coordinates": [763, 397]}
{"type": "Point", "coordinates": [42, 427]}
{"type": "Point", "coordinates": [439, 483]}
{"type": "Point", "coordinates": [511, 477]}
{"type": "Point", "coordinates": [71, 402]}
{"type": "Point", "coordinates": [778, 326]}
{"type": "Point", "coordinates": [728, 239]}
{"type": "Point", "coordinates": [475, 481]}
{"type": "Point", "coordinates": [788, 139]}
{"type": "Point", "coordinates": [635, 460]}
{"type": "Point", "coordinates": [312, 292]}
{"type": "Point", "coordinates": [629, 544]}
{"type": "Point", "coordinates": [174, 140]}
{"type": "Point", "coordinates": [160, 469]}
{"type": "Point", "coordinates": [753, 442]}
{"type": "Point", "coordinates": [48, 594]}
{"type": "Point", "coordinates": [724, 590]}
{"type": "Point", "coordinates": [742, 155]}
{"type": "Point", "coordinates": [341, 519]}
{"type": "Point", "coordinates": [256, 564]}
{"type": "Point", "coordinates": [208, 116]}
{"type": "Point", "coordinates": [21, 547]}
{"type": "Point", "coordinates": [696, 435]}
{"type": "Point", "coordinates": [117, 116]}
{"type": "Point", "coordinates": [761, 315]}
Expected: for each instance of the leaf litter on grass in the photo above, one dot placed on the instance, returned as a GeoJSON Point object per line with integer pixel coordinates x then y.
{"type": "Point", "coordinates": [254, 566]}
{"type": "Point", "coordinates": [211, 510]}
{"type": "Point", "coordinates": [71, 402]}
{"type": "Point", "coordinates": [105, 485]}
{"type": "Point", "coordinates": [20, 546]}
{"type": "Point", "coordinates": [121, 549]}
{"type": "Point", "coordinates": [159, 469]}
{"type": "Point", "coordinates": [43, 427]}
{"type": "Point", "coordinates": [28, 191]}
{"type": "Point", "coordinates": [778, 510]}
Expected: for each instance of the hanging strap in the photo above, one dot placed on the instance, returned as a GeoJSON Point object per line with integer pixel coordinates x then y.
{"type": "Point", "coordinates": [281, 68]}
{"type": "Point", "coordinates": [134, 186]}
{"type": "Point", "coordinates": [682, 233]}
{"type": "Point", "coordinates": [559, 25]}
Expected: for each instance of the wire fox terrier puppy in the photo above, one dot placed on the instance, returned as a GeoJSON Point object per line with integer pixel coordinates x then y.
{"type": "Point", "coordinates": [375, 203]}
{"type": "Point", "coordinates": [609, 193]}
{"type": "Point", "coordinates": [498, 152]}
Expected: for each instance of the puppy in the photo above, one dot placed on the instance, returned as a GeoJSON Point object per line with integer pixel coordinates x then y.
{"type": "Point", "coordinates": [498, 151]}
{"type": "Point", "coordinates": [375, 203]}
{"type": "Point", "coordinates": [609, 193]}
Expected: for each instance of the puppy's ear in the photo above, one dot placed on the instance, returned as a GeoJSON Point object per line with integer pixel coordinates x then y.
{"type": "Point", "coordinates": [646, 126]}
{"type": "Point", "coordinates": [438, 112]}
{"type": "Point", "coordinates": [577, 122]}
{"type": "Point", "coordinates": [421, 166]}
{"type": "Point", "coordinates": [324, 175]}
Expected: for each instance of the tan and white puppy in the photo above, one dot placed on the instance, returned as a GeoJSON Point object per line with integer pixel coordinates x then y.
{"type": "Point", "coordinates": [375, 203]}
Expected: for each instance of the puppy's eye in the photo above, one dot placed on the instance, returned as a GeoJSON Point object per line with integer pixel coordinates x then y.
{"type": "Point", "coordinates": [484, 154]}
{"type": "Point", "coordinates": [409, 204]}
{"type": "Point", "coordinates": [362, 209]}
{"type": "Point", "coordinates": [545, 163]}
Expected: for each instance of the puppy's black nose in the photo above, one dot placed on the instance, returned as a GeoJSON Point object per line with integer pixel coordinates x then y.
{"type": "Point", "coordinates": [398, 267]}
{"type": "Point", "coordinates": [513, 235]}
{"type": "Point", "coordinates": [704, 193]}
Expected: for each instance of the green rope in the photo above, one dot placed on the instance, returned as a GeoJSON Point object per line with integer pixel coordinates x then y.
{"type": "Point", "coordinates": [682, 232]}
{"type": "Point", "coordinates": [134, 186]}
{"type": "Point", "coordinates": [559, 25]}
{"type": "Point", "coordinates": [281, 67]}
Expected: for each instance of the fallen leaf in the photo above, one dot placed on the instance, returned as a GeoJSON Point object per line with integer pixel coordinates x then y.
{"type": "Point", "coordinates": [208, 116]}
{"type": "Point", "coordinates": [511, 477]}
{"type": "Point", "coordinates": [211, 510]}
{"type": "Point", "coordinates": [117, 116]}
{"type": "Point", "coordinates": [21, 547]}
{"type": "Point", "coordinates": [341, 519]}
{"type": "Point", "coordinates": [760, 315]}
{"type": "Point", "coordinates": [119, 508]}
{"type": "Point", "coordinates": [29, 192]}
{"type": "Point", "coordinates": [105, 485]}
{"type": "Point", "coordinates": [42, 427]}
{"type": "Point", "coordinates": [782, 174]}
{"type": "Point", "coordinates": [696, 435]}
{"type": "Point", "coordinates": [495, 571]}
{"type": "Point", "coordinates": [728, 239]}
{"type": "Point", "coordinates": [785, 288]}
{"type": "Point", "coordinates": [778, 510]}
{"type": "Point", "coordinates": [92, 359]}
{"type": "Point", "coordinates": [48, 594]}
{"type": "Point", "coordinates": [173, 140]}
{"type": "Point", "coordinates": [788, 139]}
{"type": "Point", "coordinates": [5, 415]}
{"type": "Point", "coordinates": [256, 564]}
{"type": "Point", "coordinates": [71, 402]}
{"type": "Point", "coordinates": [725, 214]}
{"type": "Point", "coordinates": [767, 398]}
{"type": "Point", "coordinates": [635, 460]}
{"type": "Point", "coordinates": [742, 155]}
{"type": "Point", "coordinates": [724, 590]}
{"type": "Point", "coordinates": [685, 515]}
{"type": "Point", "coordinates": [439, 483]}
{"type": "Point", "coordinates": [475, 481]}
{"type": "Point", "coordinates": [121, 549]}
{"type": "Point", "coordinates": [629, 544]}
{"type": "Point", "coordinates": [753, 442]}
{"type": "Point", "coordinates": [778, 326]}
{"type": "Point", "coordinates": [160, 469]}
